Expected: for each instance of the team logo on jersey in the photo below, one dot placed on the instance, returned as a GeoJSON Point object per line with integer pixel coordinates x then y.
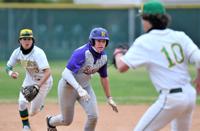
{"type": "Point", "coordinates": [24, 63]}
{"type": "Point", "coordinates": [90, 70]}
{"type": "Point", "coordinates": [31, 66]}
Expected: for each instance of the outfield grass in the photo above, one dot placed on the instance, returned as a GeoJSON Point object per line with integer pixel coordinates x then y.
{"type": "Point", "coordinates": [133, 87]}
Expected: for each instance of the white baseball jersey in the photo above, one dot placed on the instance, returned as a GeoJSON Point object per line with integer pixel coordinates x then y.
{"type": "Point", "coordinates": [34, 63]}
{"type": "Point", "coordinates": [165, 53]}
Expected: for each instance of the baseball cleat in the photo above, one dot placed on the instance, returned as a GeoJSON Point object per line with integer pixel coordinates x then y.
{"type": "Point", "coordinates": [49, 127]}
{"type": "Point", "coordinates": [26, 128]}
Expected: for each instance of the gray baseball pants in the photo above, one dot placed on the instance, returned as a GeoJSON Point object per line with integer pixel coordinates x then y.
{"type": "Point", "coordinates": [67, 98]}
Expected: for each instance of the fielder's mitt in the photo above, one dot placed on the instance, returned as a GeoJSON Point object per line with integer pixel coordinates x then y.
{"type": "Point", "coordinates": [119, 49]}
{"type": "Point", "coordinates": [30, 92]}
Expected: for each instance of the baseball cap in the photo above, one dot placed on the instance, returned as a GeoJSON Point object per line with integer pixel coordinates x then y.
{"type": "Point", "coordinates": [26, 33]}
{"type": "Point", "coordinates": [152, 7]}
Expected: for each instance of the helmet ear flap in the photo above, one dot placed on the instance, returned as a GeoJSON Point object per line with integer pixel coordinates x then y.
{"type": "Point", "coordinates": [93, 42]}
{"type": "Point", "coordinates": [107, 41]}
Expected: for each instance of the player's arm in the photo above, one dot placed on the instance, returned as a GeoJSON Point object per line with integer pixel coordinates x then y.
{"type": "Point", "coordinates": [11, 62]}
{"type": "Point", "coordinates": [73, 66]}
{"type": "Point", "coordinates": [11, 73]}
{"type": "Point", "coordinates": [43, 65]}
{"type": "Point", "coordinates": [136, 56]}
{"type": "Point", "coordinates": [75, 62]}
{"type": "Point", "coordinates": [197, 81]}
{"type": "Point", "coordinates": [120, 65]}
{"type": "Point", "coordinates": [47, 74]}
{"type": "Point", "coordinates": [68, 76]}
{"type": "Point", "coordinates": [192, 53]}
{"type": "Point", "coordinates": [106, 87]}
{"type": "Point", "coordinates": [195, 58]}
{"type": "Point", "coordinates": [104, 80]}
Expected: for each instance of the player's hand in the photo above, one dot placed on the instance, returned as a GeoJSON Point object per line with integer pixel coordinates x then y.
{"type": "Point", "coordinates": [14, 75]}
{"type": "Point", "coordinates": [112, 104]}
{"type": "Point", "coordinates": [83, 94]}
{"type": "Point", "coordinates": [120, 49]}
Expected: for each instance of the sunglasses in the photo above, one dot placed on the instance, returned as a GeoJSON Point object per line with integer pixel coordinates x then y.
{"type": "Point", "coordinates": [27, 38]}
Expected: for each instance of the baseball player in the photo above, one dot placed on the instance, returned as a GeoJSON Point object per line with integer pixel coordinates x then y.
{"type": "Point", "coordinates": [165, 53]}
{"type": "Point", "coordinates": [34, 61]}
{"type": "Point", "coordinates": [75, 82]}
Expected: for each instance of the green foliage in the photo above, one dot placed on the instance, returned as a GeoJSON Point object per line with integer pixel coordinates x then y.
{"type": "Point", "coordinates": [130, 87]}
{"type": "Point", "coordinates": [133, 87]}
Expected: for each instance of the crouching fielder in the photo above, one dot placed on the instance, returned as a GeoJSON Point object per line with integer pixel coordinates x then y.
{"type": "Point", "coordinates": [34, 61]}
{"type": "Point", "coordinates": [75, 86]}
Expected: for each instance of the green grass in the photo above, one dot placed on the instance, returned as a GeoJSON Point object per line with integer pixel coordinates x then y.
{"type": "Point", "coordinates": [133, 87]}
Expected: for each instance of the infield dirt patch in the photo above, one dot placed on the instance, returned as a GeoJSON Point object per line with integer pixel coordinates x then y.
{"type": "Point", "coordinates": [125, 120]}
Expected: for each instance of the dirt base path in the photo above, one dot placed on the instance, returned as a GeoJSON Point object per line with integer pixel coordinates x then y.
{"type": "Point", "coordinates": [125, 120]}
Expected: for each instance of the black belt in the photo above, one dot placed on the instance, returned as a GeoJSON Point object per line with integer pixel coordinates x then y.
{"type": "Point", "coordinates": [175, 90]}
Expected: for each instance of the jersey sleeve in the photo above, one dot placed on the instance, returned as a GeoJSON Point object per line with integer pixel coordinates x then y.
{"type": "Point", "coordinates": [76, 61]}
{"type": "Point", "coordinates": [136, 55]}
{"type": "Point", "coordinates": [103, 71]}
{"type": "Point", "coordinates": [13, 59]}
{"type": "Point", "coordinates": [41, 60]}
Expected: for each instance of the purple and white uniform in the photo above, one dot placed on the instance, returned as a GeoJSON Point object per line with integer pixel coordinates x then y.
{"type": "Point", "coordinates": [84, 62]}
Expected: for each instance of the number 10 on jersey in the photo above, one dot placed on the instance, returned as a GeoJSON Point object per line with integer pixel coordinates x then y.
{"type": "Point", "coordinates": [177, 54]}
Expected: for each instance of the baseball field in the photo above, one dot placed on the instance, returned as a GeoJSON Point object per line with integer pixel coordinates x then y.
{"type": "Point", "coordinates": [132, 91]}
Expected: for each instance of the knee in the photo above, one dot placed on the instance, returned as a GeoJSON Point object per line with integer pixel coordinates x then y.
{"type": "Point", "coordinates": [92, 118]}
{"type": "Point", "coordinates": [22, 105]}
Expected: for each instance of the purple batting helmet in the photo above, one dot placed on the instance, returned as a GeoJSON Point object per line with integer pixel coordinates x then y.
{"type": "Point", "coordinates": [99, 34]}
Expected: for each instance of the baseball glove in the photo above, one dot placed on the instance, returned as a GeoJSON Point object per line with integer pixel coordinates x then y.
{"type": "Point", "coordinates": [30, 92]}
{"type": "Point", "coordinates": [119, 49]}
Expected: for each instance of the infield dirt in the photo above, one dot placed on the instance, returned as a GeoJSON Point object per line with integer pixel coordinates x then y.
{"type": "Point", "coordinates": [125, 120]}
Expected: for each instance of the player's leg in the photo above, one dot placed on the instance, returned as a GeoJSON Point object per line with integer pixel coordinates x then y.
{"type": "Point", "coordinates": [91, 110]}
{"type": "Point", "coordinates": [38, 103]}
{"type": "Point", "coordinates": [162, 112]}
{"type": "Point", "coordinates": [23, 111]}
{"type": "Point", "coordinates": [184, 121]}
{"type": "Point", "coordinates": [67, 96]}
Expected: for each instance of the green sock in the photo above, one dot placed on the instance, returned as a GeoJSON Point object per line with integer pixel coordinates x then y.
{"type": "Point", "coordinates": [24, 117]}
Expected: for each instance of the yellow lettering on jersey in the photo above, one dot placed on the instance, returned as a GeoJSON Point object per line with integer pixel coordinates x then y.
{"type": "Point", "coordinates": [24, 63]}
